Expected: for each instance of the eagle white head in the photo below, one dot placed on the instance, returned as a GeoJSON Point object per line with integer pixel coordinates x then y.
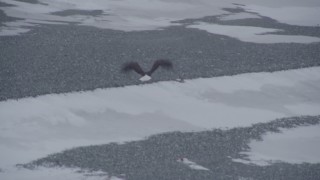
{"type": "Point", "coordinates": [146, 76]}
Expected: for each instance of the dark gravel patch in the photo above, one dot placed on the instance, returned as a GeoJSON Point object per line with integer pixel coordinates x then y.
{"type": "Point", "coordinates": [71, 12]}
{"type": "Point", "coordinates": [59, 58]}
{"type": "Point", "coordinates": [156, 157]}
{"type": "Point", "coordinates": [30, 1]}
{"type": "Point", "coordinates": [65, 58]}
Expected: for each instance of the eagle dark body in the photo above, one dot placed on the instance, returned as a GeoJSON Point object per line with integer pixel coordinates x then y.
{"type": "Point", "coordinates": [134, 66]}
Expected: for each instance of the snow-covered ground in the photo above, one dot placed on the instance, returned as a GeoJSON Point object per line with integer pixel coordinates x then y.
{"type": "Point", "coordinates": [253, 34]}
{"type": "Point", "coordinates": [54, 174]}
{"type": "Point", "coordinates": [31, 128]}
{"type": "Point", "coordinates": [296, 146]}
{"type": "Point", "coordinates": [34, 127]}
{"type": "Point", "coordinates": [295, 14]}
{"type": "Point", "coordinates": [126, 15]}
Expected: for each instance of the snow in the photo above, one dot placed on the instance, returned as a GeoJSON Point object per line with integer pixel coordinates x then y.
{"type": "Point", "coordinates": [253, 34]}
{"type": "Point", "coordinates": [11, 30]}
{"type": "Point", "coordinates": [245, 161]}
{"type": "Point", "coordinates": [302, 16]}
{"type": "Point", "coordinates": [298, 145]}
{"type": "Point", "coordinates": [31, 128]}
{"type": "Point", "coordinates": [192, 164]}
{"type": "Point", "coordinates": [126, 15]}
{"type": "Point", "coordinates": [54, 174]}
{"type": "Point", "coordinates": [122, 15]}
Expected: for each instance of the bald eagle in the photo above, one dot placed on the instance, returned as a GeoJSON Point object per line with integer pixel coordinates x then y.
{"type": "Point", "coordinates": [146, 76]}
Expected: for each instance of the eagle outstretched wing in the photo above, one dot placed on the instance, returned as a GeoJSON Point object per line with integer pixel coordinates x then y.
{"type": "Point", "coordinates": [133, 66]}
{"type": "Point", "coordinates": [160, 63]}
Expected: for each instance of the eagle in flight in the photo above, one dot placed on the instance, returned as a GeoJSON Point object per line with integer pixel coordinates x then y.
{"type": "Point", "coordinates": [146, 76]}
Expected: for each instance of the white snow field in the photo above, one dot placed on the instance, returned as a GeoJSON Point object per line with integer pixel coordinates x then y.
{"type": "Point", "coordinates": [34, 127]}
{"type": "Point", "coordinates": [296, 146]}
{"type": "Point", "coordinates": [253, 34]}
{"type": "Point", "coordinates": [42, 173]}
{"type": "Point", "coordinates": [127, 15]}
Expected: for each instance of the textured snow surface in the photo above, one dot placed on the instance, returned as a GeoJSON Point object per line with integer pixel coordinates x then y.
{"type": "Point", "coordinates": [139, 15]}
{"type": "Point", "coordinates": [254, 34]}
{"type": "Point", "coordinates": [123, 15]}
{"type": "Point", "coordinates": [302, 15]}
{"type": "Point", "coordinates": [297, 145]}
{"type": "Point", "coordinates": [31, 128]}
{"type": "Point", "coordinates": [54, 174]}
